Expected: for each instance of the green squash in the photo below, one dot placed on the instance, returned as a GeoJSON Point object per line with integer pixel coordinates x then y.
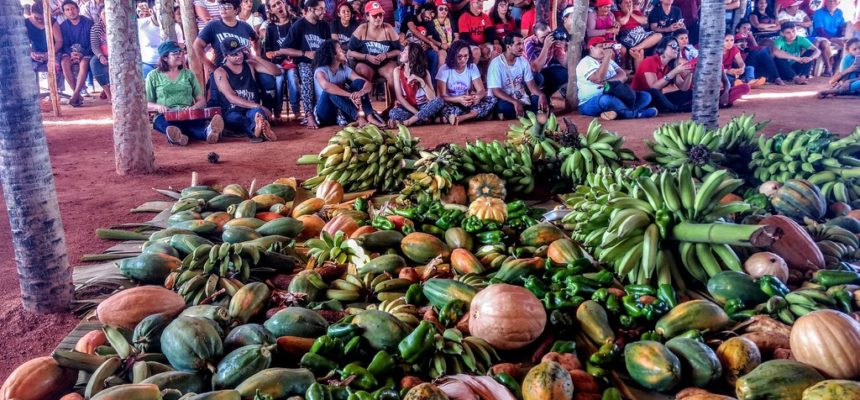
{"type": "Point", "coordinates": [727, 285]}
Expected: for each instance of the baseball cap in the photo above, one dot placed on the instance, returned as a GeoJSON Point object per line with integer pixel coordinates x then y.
{"type": "Point", "coordinates": [596, 40]}
{"type": "Point", "coordinates": [373, 8]}
{"type": "Point", "coordinates": [441, 3]}
{"type": "Point", "coordinates": [602, 3]}
{"type": "Point", "coordinates": [167, 47]}
{"type": "Point", "coordinates": [567, 11]}
{"type": "Point", "coordinates": [231, 45]}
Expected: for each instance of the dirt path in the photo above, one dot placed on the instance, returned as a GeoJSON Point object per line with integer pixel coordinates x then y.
{"type": "Point", "coordinates": [91, 195]}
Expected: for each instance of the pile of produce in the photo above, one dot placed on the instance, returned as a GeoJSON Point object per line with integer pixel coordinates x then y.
{"type": "Point", "coordinates": [434, 280]}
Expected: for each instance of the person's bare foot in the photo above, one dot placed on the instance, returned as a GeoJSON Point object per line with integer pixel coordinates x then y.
{"type": "Point", "coordinates": [799, 80]}
{"type": "Point", "coordinates": [779, 82]}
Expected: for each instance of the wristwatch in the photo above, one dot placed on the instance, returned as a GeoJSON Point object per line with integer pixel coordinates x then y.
{"type": "Point", "coordinates": [667, 78]}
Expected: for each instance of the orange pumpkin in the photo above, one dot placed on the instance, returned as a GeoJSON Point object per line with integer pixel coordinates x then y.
{"type": "Point", "coordinates": [313, 225]}
{"type": "Point", "coordinates": [489, 209]}
{"type": "Point", "coordinates": [341, 222]}
{"type": "Point", "coordinates": [482, 185]}
{"type": "Point", "coordinates": [829, 341]}
{"type": "Point", "coordinates": [506, 316]}
{"type": "Point", "coordinates": [330, 191]}
{"type": "Point", "coordinates": [91, 340]}
{"type": "Point", "coordinates": [128, 307]}
{"type": "Point", "coordinates": [38, 379]}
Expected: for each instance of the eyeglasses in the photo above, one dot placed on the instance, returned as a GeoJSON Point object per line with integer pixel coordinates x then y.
{"type": "Point", "coordinates": [176, 53]}
{"type": "Point", "coordinates": [675, 46]}
{"type": "Point", "coordinates": [227, 7]}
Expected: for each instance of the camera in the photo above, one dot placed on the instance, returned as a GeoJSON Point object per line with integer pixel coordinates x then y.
{"type": "Point", "coordinates": [560, 35]}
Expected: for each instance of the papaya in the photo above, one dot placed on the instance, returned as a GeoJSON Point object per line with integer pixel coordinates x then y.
{"type": "Point", "coordinates": [222, 202]}
{"type": "Point", "coordinates": [137, 391]}
{"type": "Point", "coordinates": [239, 234]}
{"type": "Point", "coordinates": [458, 238]}
{"type": "Point", "coordinates": [38, 379]}
{"type": "Point", "coordinates": [186, 243]}
{"type": "Point", "coordinates": [699, 362]}
{"type": "Point", "coordinates": [309, 283]}
{"type": "Point", "coordinates": [241, 364]}
{"type": "Point", "coordinates": [236, 189]}
{"type": "Point", "coordinates": [693, 314]}
{"type": "Point", "coordinates": [150, 268]}
{"type": "Point", "coordinates": [777, 379]}
{"type": "Point", "coordinates": [464, 262]}
{"type": "Point", "coordinates": [540, 235]}
{"type": "Point", "coordinates": [440, 291]}
{"type": "Point", "coordinates": [422, 247]}
{"type": "Point", "coordinates": [547, 381]}
{"type": "Point", "coordinates": [147, 334]}
{"type": "Point", "coordinates": [652, 365]}
{"type": "Point", "coordinates": [727, 285]}
{"type": "Point", "coordinates": [594, 322]}
{"type": "Point", "coordinates": [382, 330]}
{"type": "Point", "coordinates": [266, 201]}
{"type": "Point", "coordinates": [564, 251]}
{"type": "Point", "coordinates": [296, 321]}
{"type": "Point", "coordinates": [247, 222]}
{"type": "Point", "coordinates": [216, 313]}
{"type": "Point", "coordinates": [219, 218]}
{"type": "Point", "coordinates": [738, 356]}
{"type": "Point", "coordinates": [158, 247]}
{"type": "Point", "coordinates": [248, 301]}
{"type": "Point", "coordinates": [307, 207]}
{"type": "Point", "coordinates": [286, 226]}
{"type": "Point", "coordinates": [198, 226]}
{"type": "Point", "coordinates": [183, 216]}
{"type": "Point", "coordinates": [248, 334]}
{"type": "Point", "coordinates": [191, 344]}
{"type": "Point", "coordinates": [185, 382]}
{"type": "Point", "coordinates": [245, 209]}
{"type": "Point", "coordinates": [513, 270]}
{"type": "Point", "coordinates": [381, 240]}
{"type": "Point", "coordinates": [279, 383]}
{"type": "Point", "coordinates": [127, 307]}
{"type": "Point", "coordinates": [425, 391]}
{"type": "Point", "coordinates": [833, 389]}
{"type": "Point", "coordinates": [285, 192]}
{"type": "Point", "coordinates": [200, 194]}
{"type": "Point", "coordinates": [384, 263]}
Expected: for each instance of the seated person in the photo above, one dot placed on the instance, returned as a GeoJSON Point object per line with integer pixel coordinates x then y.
{"type": "Point", "coordinates": [76, 49]}
{"type": "Point", "coordinates": [667, 77]}
{"type": "Point", "coordinates": [508, 77]}
{"type": "Point", "coordinates": [99, 62]}
{"type": "Point", "coordinates": [35, 24]}
{"type": "Point", "coordinates": [758, 57]}
{"type": "Point", "coordinates": [829, 23]}
{"type": "Point", "coordinates": [459, 84]}
{"type": "Point", "coordinates": [794, 55]}
{"type": "Point", "coordinates": [170, 86]}
{"type": "Point", "coordinates": [413, 87]}
{"type": "Point", "coordinates": [666, 18]}
{"type": "Point", "coordinates": [442, 31]}
{"type": "Point", "coordinates": [374, 46]}
{"type": "Point", "coordinates": [417, 28]}
{"type": "Point", "coordinates": [547, 57]}
{"type": "Point", "coordinates": [688, 51]}
{"type": "Point", "coordinates": [601, 22]}
{"type": "Point", "coordinates": [341, 90]}
{"type": "Point", "coordinates": [596, 73]}
{"type": "Point", "coordinates": [344, 25]}
{"type": "Point", "coordinates": [634, 33]}
{"type": "Point", "coordinates": [803, 25]}
{"type": "Point", "coordinates": [239, 91]}
{"type": "Point", "coordinates": [503, 21]}
{"type": "Point", "coordinates": [730, 93]}
{"type": "Point", "coordinates": [764, 23]}
{"type": "Point", "coordinates": [734, 66]}
{"type": "Point", "coordinates": [847, 80]}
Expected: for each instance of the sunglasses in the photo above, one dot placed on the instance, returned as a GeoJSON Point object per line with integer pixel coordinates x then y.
{"type": "Point", "coordinates": [442, 8]}
{"type": "Point", "coordinates": [380, 15]}
{"type": "Point", "coordinates": [176, 53]}
{"type": "Point", "coordinates": [675, 46]}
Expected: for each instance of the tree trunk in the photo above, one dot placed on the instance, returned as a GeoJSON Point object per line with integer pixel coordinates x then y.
{"type": "Point", "coordinates": [189, 30]}
{"type": "Point", "coordinates": [574, 49]}
{"type": "Point", "coordinates": [166, 21]}
{"type": "Point", "coordinates": [706, 82]}
{"type": "Point", "coordinates": [52, 60]}
{"type": "Point", "coordinates": [28, 182]}
{"type": "Point", "coordinates": [132, 135]}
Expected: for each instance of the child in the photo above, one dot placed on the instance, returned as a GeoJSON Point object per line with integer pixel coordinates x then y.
{"type": "Point", "coordinates": [847, 80]}
{"type": "Point", "coordinates": [736, 69]}
{"type": "Point", "coordinates": [758, 57]}
{"type": "Point", "coordinates": [688, 51]}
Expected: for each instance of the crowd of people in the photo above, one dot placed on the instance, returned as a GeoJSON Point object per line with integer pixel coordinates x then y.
{"type": "Point", "coordinates": [317, 62]}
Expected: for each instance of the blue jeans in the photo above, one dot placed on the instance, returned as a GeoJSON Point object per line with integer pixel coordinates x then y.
{"type": "Point", "coordinates": [194, 129]}
{"type": "Point", "coordinates": [100, 71]}
{"type": "Point", "coordinates": [242, 119]}
{"type": "Point", "coordinates": [551, 79]}
{"type": "Point", "coordinates": [604, 102]}
{"type": "Point", "coordinates": [432, 64]}
{"type": "Point", "coordinates": [749, 74]}
{"type": "Point", "coordinates": [329, 104]}
{"type": "Point", "coordinates": [291, 80]}
{"type": "Point", "coordinates": [268, 85]}
{"type": "Point", "coordinates": [509, 112]}
{"type": "Point", "coordinates": [147, 68]}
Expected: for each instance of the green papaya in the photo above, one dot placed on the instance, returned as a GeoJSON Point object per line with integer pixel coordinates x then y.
{"type": "Point", "coordinates": [699, 362]}
{"type": "Point", "coordinates": [309, 283]}
{"type": "Point", "coordinates": [296, 321]}
{"type": "Point", "coordinates": [382, 330]}
{"type": "Point", "coordinates": [381, 240]}
{"type": "Point", "coordinates": [238, 234]}
{"type": "Point", "coordinates": [159, 247]}
{"type": "Point", "coordinates": [147, 333]}
{"type": "Point", "coordinates": [150, 268]}
{"type": "Point", "coordinates": [183, 216]}
{"type": "Point", "coordinates": [652, 365]}
{"type": "Point", "coordinates": [279, 383]}
{"type": "Point", "coordinates": [694, 314]}
{"type": "Point", "coordinates": [191, 344]}
{"type": "Point", "coordinates": [198, 226]}
{"type": "Point", "coordinates": [218, 314]}
{"type": "Point", "coordinates": [185, 382]}
{"type": "Point", "coordinates": [594, 322]}
{"type": "Point", "coordinates": [221, 202]}
{"type": "Point", "coordinates": [777, 379]}
{"type": "Point", "coordinates": [728, 285]}
{"type": "Point", "coordinates": [248, 334]}
{"type": "Point", "coordinates": [185, 243]}
{"type": "Point", "coordinates": [286, 226]}
{"type": "Point", "coordinates": [241, 364]}
{"type": "Point", "coordinates": [384, 263]}
{"type": "Point", "coordinates": [285, 192]}
{"type": "Point", "coordinates": [216, 395]}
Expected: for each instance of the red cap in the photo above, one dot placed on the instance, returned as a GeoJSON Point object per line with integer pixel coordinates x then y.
{"type": "Point", "coordinates": [440, 3]}
{"type": "Point", "coordinates": [602, 3]}
{"type": "Point", "coordinates": [596, 40]}
{"type": "Point", "coordinates": [373, 8]}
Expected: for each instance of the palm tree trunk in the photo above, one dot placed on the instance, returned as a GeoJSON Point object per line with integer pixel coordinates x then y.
{"type": "Point", "coordinates": [132, 135]}
{"type": "Point", "coordinates": [574, 49]}
{"type": "Point", "coordinates": [166, 21]}
{"type": "Point", "coordinates": [25, 170]}
{"type": "Point", "coordinates": [706, 82]}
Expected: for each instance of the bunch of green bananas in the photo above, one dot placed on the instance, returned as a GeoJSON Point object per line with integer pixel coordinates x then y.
{"type": "Point", "coordinates": [815, 155]}
{"type": "Point", "coordinates": [505, 160]}
{"type": "Point", "coordinates": [435, 172]}
{"type": "Point", "coordinates": [686, 143]}
{"type": "Point", "coordinates": [210, 268]}
{"type": "Point", "coordinates": [363, 159]}
{"type": "Point", "coordinates": [739, 133]}
{"type": "Point", "coordinates": [406, 313]}
{"type": "Point", "coordinates": [381, 287]}
{"type": "Point", "coordinates": [459, 354]}
{"type": "Point", "coordinates": [798, 303]}
{"type": "Point", "coordinates": [837, 244]}
{"type": "Point", "coordinates": [337, 248]}
{"type": "Point", "coordinates": [598, 147]}
{"type": "Point", "coordinates": [533, 134]}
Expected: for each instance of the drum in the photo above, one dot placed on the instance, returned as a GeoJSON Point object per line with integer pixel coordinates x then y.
{"type": "Point", "coordinates": [192, 114]}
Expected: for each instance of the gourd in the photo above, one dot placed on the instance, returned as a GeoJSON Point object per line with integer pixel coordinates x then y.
{"type": "Point", "coordinates": [799, 199]}
{"type": "Point", "coordinates": [330, 191]}
{"type": "Point", "coordinates": [829, 341]}
{"type": "Point", "coordinates": [506, 316]}
{"type": "Point", "coordinates": [766, 263]}
{"type": "Point", "coordinates": [486, 185]}
{"type": "Point", "coordinates": [128, 307]}
{"type": "Point", "coordinates": [489, 209]}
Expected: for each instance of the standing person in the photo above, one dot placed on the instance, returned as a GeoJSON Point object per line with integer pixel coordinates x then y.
{"type": "Point", "coordinates": [35, 24]}
{"type": "Point", "coordinates": [305, 37]}
{"type": "Point", "coordinates": [343, 93]}
{"type": "Point", "coordinates": [803, 25]}
{"type": "Point", "coordinates": [764, 23]}
{"type": "Point", "coordinates": [247, 15]}
{"type": "Point", "coordinates": [632, 33]}
{"type": "Point", "coordinates": [477, 29]}
{"type": "Point", "coordinates": [239, 92]}
{"type": "Point", "coordinates": [149, 38]}
{"type": "Point", "coordinates": [205, 11]}
{"type": "Point", "coordinates": [596, 73]}
{"type": "Point", "coordinates": [170, 86]}
{"type": "Point", "coordinates": [413, 87]}
{"type": "Point", "coordinates": [666, 77]}
{"type": "Point", "coordinates": [459, 84]}
{"type": "Point", "coordinates": [508, 77]}
{"type": "Point", "coordinates": [375, 46]}
{"type": "Point", "coordinates": [758, 57]}
{"type": "Point", "coordinates": [275, 32]}
{"type": "Point", "coordinates": [547, 57]}
{"type": "Point", "coordinates": [344, 25]}
{"type": "Point", "coordinates": [99, 62]}
{"type": "Point", "coordinates": [666, 18]}
{"type": "Point", "coordinates": [220, 29]}
{"type": "Point", "coordinates": [794, 55]}
{"type": "Point", "coordinates": [76, 49]}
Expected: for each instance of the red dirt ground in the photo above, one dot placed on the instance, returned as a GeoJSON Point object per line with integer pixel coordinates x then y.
{"type": "Point", "coordinates": [91, 195]}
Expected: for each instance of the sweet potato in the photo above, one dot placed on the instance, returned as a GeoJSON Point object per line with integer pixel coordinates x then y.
{"type": "Point", "coordinates": [583, 382]}
{"type": "Point", "coordinates": [768, 342]}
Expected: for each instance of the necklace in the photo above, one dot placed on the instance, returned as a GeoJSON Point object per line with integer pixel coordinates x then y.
{"type": "Point", "coordinates": [444, 33]}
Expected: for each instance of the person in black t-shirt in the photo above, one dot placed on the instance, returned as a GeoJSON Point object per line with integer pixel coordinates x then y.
{"type": "Point", "coordinates": [217, 30]}
{"type": "Point", "coordinates": [666, 18]}
{"type": "Point", "coordinates": [305, 37]}
{"type": "Point", "coordinates": [275, 31]}
{"type": "Point", "coordinates": [343, 25]}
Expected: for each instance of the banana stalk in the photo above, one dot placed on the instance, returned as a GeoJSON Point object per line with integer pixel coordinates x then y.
{"type": "Point", "coordinates": [730, 234]}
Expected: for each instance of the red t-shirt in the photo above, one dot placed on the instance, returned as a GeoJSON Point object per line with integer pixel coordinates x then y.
{"type": "Point", "coordinates": [631, 22]}
{"type": "Point", "coordinates": [650, 64]}
{"type": "Point", "coordinates": [729, 57]}
{"type": "Point", "coordinates": [528, 21]}
{"type": "Point", "coordinates": [503, 29]}
{"type": "Point", "coordinates": [474, 26]}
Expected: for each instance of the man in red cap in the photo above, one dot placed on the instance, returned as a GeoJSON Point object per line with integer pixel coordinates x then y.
{"type": "Point", "coordinates": [601, 88]}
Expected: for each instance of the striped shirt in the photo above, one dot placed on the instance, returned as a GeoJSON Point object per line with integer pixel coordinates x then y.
{"type": "Point", "coordinates": [214, 9]}
{"type": "Point", "coordinates": [98, 40]}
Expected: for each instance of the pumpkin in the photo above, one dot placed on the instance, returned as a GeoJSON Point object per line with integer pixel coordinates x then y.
{"type": "Point", "coordinates": [766, 263]}
{"type": "Point", "coordinates": [486, 185]}
{"type": "Point", "coordinates": [829, 341]}
{"type": "Point", "coordinates": [38, 379]}
{"type": "Point", "coordinates": [799, 199]}
{"type": "Point", "coordinates": [506, 316]}
{"type": "Point", "coordinates": [312, 226]}
{"type": "Point", "coordinates": [547, 381]}
{"type": "Point", "coordinates": [341, 222]}
{"type": "Point", "coordinates": [795, 246]}
{"type": "Point", "coordinates": [330, 191]}
{"type": "Point", "coordinates": [489, 208]}
{"type": "Point", "coordinates": [128, 307]}
{"type": "Point", "coordinates": [92, 339]}
{"type": "Point", "coordinates": [456, 195]}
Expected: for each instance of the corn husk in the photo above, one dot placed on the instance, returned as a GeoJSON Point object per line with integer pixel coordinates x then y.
{"type": "Point", "coordinates": [468, 387]}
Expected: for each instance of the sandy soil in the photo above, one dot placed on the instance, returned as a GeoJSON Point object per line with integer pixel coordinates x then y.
{"type": "Point", "coordinates": [91, 195]}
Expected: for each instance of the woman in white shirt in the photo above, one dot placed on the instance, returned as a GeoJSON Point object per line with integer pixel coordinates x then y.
{"type": "Point", "coordinates": [247, 15]}
{"type": "Point", "coordinates": [459, 84]}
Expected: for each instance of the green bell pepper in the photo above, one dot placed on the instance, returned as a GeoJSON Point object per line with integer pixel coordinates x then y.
{"type": "Point", "coordinates": [364, 380]}
{"type": "Point", "coordinates": [611, 394]}
{"type": "Point", "coordinates": [411, 213]}
{"type": "Point", "coordinates": [407, 228]}
{"type": "Point", "coordinates": [666, 293]}
{"type": "Point", "coordinates": [594, 370]}
{"type": "Point", "coordinates": [342, 331]}
{"type": "Point", "coordinates": [600, 295]}
{"type": "Point", "coordinates": [844, 301]}
{"type": "Point", "coordinates": [452, 311]}
{"type": "Point", "coordinates": [354, 347]}
{"type": "Point", "coordinates": [317, 391]}
{"type": "Point", "coordinates": [536, 286]}
{"type": "Point", "coordinates": [318, 363]}
{"type": "Point", "coordinates": [626, 321]}
{"type": "Point", "coordinates": [417, 343]}
{"type": "Point", "coordinates": [415, 295]}
{"type": "Point", "coordinates": [563, 346]}
{"type": "Point", "coordinates": [327, 346]}
{"type": "Point", "coordinates": [603, 278]}
{"type": "Point", "coordinates": [631, 306]}
{"type": "Point", "coordinates": [772, 286]}
{"type": "Point", "coordinates": [381, 364]}
{"type": "Point", "coordinates": [510, 383]}
{"type": "Point", "coordinates": [360, 395]}
{"type": "Point", "coordinates": [360, 204]}
{"type": "Point", "coordinates": [433, 230]}
{"type": "Point", "coordinates": [650, 335]}
{"type": "Point", "coordinates": [640, 290]}
{"type": "Point", "coordinates": [613, 305]}
{"type": "Point", "coordinates": [743, 315]}
{"type": "Point", "coordinates": [828, 278]}
{"type": "Point", "coordinates": [490, 237]}
{"type": "Point", "coordinates": [383, 224]}
{"type": "Point", "coordinates": [472, 224]}
{"type": "Point", "coordinates": [734, 305]}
